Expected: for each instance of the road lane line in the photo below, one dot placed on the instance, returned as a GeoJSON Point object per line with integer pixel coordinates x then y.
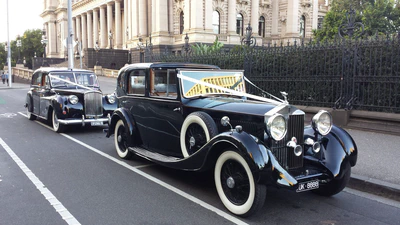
{"type": "Point", "coordinates": [221, 213]}
{"type": "Point", "coordinates": [57, 205]}
{"type": "Point", "coordinates": [162, 183]}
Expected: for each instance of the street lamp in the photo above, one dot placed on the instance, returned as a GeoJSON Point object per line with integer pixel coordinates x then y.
{"type": "Point", "coordinates": [44, 42]}
{"type": "Point", "coordinates": [97, 49]}
{"type": "Point", "coordinates": [127, 36]}
{"type": "Point", "coordinates": [19, 49]}
{"type": "Point", "coordinates": [110, 37]}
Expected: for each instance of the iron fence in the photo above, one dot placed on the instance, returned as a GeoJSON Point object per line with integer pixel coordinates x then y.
{"type": "Point", "coordinates": [343, 74]}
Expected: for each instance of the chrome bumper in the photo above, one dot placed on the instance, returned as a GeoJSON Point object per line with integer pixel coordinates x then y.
{"type": "Point", "coordinates": [83, 121]}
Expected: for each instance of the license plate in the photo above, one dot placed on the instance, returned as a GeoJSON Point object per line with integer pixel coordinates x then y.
{"type": "Point", "coordinates": [309, 185]}
{"type": "Point", "coordinates": [96, 123]}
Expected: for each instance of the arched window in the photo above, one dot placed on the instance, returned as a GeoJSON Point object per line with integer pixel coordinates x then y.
{"type": "Point", "coordinates": [303, 26]}
{"type": "Point", "coordinates": [261, 26]}
{"type": "Point", "coordinates": [239, 24]}
{"type": "Point", "coordinates": [215, 22]}
{"type": "Point", "coordinates": [181, 23]}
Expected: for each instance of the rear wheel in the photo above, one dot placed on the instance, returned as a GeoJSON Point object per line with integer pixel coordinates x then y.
{"type": "Point", "coordinates": [121, 139]}
{"type": "Point", "coordinates": [235, 185]}
{"type": "Point", "coordinates": [59, 128]}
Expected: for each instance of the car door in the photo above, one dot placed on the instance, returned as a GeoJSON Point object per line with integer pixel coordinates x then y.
{"type": "Point", "coordinates": [164, 107]}
{"type": "Point", "coordinates": [45, 95]}
{"type": "Point", "coordinates": [36, 88]}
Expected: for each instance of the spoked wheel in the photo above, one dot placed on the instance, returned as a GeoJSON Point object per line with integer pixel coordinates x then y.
{"type": "Point", "coordinates": [56, 124]}
{"type": "Point", "coordinates": [197, 129]}
{"type": "Point", "coordinates": [121, 139]}
{"type": "Point", "coordinates": [236, 186]}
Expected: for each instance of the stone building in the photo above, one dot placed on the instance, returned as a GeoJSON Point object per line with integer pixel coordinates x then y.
{"type": "Point", "coordinates": [128, 24]}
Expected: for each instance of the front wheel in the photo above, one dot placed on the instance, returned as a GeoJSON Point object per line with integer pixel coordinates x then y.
{"type": "Point", "coordinates": [29, 113]}
{"type": "Point", "coordinates": [235, 184]}
{"type": "Point", "coordinates": [59, 128]}
{"type": "Point", "coordinates": [121, 139]}
{"type": "Point", "coordinates": [335, 185]}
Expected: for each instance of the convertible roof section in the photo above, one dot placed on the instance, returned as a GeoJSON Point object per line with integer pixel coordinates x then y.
{"type": "Point", "coordinates": [61, 69]}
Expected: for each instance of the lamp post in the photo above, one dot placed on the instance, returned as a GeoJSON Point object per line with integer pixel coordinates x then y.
{"type": "Point", "coordinates": [110, 37]}
{"type": "Point", "coordinates": [97, 49]}
{"type": "Point", "coordinates": [248, 39]}
{"type": "Point", "coordinates": [127, 36]}
{"type": "Point", "coordinates": [9, 49]}
{"type": "Point", "coordinates": [19, 49]}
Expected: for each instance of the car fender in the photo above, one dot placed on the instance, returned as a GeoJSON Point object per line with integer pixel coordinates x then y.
{"type": "Point", "coordinates": [28, 100]}
{"type": "Point", "coordinates": [130, 123]}
{"type": "Point", "coordinates": [337, 146]}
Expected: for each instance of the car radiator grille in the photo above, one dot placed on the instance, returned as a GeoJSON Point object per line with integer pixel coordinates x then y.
{"type": "Point", "coordinates": [93, 104]}
{"type": "Point", "coordinates": [285, 155]}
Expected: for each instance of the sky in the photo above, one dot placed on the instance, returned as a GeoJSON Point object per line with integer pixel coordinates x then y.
{"type": "Point", "coordinates": [23, 15]}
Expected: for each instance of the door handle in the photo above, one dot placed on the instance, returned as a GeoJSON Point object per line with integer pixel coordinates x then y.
{"type": "Point", "coordinates": [177, 109]}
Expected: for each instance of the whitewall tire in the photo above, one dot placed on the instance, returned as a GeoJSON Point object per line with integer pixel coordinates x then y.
{"type": "Point", "coordinates": [121, 139]}
{"type": "Point", "coordinates": [56, 124]}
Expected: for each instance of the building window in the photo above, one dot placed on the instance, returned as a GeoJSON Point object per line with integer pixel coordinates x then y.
{"type": "Point", "coordinates": [261, 26]}
{"type": "Point", "coordinates": [181, 23]}
{"type": "Point", "coordinates": [239, 24]}
{"type": "Point", "coordinates": [215, 22]}
{"type": "Point", "coordinates": [320, 22]}
{"type": "Point", "coordinates": [303, 26]}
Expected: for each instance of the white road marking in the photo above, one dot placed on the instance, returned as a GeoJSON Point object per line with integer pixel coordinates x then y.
{"type": "Point", "coordinates": [221, 213]}
{"type": "Point", "coordinates": [64, 213]}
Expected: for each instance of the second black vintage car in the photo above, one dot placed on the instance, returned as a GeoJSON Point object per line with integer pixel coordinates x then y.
{"type": "Point", "coordinates": [65, 97]}
{"type": "Point", "coordinates": [198, 117]}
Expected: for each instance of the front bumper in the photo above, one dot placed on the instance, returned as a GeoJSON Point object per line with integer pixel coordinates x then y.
{"type": "Point", "coordinates": [83, 121]}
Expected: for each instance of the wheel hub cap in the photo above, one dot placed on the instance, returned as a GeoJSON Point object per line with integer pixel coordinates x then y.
{"type": "Point", "coordinates": [192, 141]}
{"type": "Point", "coordinates": [230, 182]}
{"type": "Point", "coordinates": [119, 138]}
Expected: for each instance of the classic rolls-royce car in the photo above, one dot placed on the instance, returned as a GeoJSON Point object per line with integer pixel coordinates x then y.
{"type": "Point", "coordinates": [65, 97]}
{"type": "Point", "coordinates": [197, 117]}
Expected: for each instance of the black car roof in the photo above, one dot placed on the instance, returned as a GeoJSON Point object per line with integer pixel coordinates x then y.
{"type": "Point", "coordinates": [60, 69]}
{"type": "Point", "coordinates": [168, 65]}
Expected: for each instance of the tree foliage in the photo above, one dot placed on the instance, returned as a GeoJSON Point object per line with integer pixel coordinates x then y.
{"type": "Point", "coordinates": [377, 16]}
{"type": "Point", "coordinates": [30, 43]}
{"type": "Point", "coordinates": [204, 49]}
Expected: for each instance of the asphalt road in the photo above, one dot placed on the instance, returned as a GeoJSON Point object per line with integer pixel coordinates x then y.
{"type": "Point", "coordinates": [77, 177]}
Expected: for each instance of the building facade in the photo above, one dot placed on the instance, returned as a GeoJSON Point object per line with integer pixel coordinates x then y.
{"type": "Point", "coordinates": [128, 24]}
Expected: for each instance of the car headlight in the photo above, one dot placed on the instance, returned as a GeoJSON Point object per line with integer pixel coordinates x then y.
{"type": "Point", "coordinates": [111, 99]}
{"type": "Point", "coordinates": [276, 127]}
{"type": "Point", "coordinates": [322, 122]}
{"type": "Point", "coordinates": [73, 99]}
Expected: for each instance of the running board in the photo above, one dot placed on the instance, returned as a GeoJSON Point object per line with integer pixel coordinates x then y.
{"type": "Point", "coordinates": [153, 155]}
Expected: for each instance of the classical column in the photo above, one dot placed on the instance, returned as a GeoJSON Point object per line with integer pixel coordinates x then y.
{"type": "Point", "coordinates": [142, 18]}
{"type": "Point", "coordinates": [118, 24]}
{"type": "Point", "coordinates": [196, 16]}
{"type": "Point", "coordinates": [110, 24]}
{"type": "Point", "coordinates": [103, 27]}
{"type": "Point", "coordinates": [96, 26]}
{"type": "Point", "coordinates": [74, 28]}
{"type": "Point", "coordinates": [232, 17]}
{"type": "Point", "coordinates": [160, 15]}
{"type": "Point", "coordinates": [84, 32]}
{"type": "Point", "coordinates": [186, 16]}
{"type": "Point", "coordinates": [275, 18]}
{"type": "Point", "coordinates": [134, 18]}
{"type": "Point", "coordinates": [255, 5]}
{"type": "Point", "coordinates": [52, 37]}
{"type": "Point", "coordinates": [126, 16]}
{"type": "Point", "coordinates": [292, 19]}
{"type": "Point", "coordinates": [314, 15]}
{"type": "Point", "coordinates": [78, 28]}
{"type": "Point", "coordinates": [208, 16]}
{"type": "Point", "coordinates": [89, 30]}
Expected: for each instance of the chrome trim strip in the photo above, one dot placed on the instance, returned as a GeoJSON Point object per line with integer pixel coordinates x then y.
{"type": "Point", "coordinates": [77, 121]}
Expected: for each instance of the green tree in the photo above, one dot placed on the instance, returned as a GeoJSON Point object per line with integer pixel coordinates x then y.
{"type": "Point", "coordinates": [3, 56]}
{"type": "Point", "coordinates": [378, 16]}
{"type": "Point", "coordinates": [31, 44]}
{"type": "Point", "coordinates": [204, 49]}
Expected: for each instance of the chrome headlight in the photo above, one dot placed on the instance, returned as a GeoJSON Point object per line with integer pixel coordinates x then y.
{"type": "Point", "coordinates": [111, 99]}
{"type": "Point", "coordinates": [322, 122]}
{"type": "Point", "coordinates": [73, 99]}
{"type": "Point", "coordinates": [276, 127]}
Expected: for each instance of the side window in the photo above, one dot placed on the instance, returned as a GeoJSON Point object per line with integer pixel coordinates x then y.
{"type": "Point", "coordinates": [164, 84]}
{"type": "Point", "coordinates": [37, 79]}
{"type": "Point", "coordinates": [136, 82]}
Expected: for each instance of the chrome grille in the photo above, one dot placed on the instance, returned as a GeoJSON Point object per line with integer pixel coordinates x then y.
{"type": "Point", "coordinates": [284, 154]}
{"type": "Point", "coordinates": [93, 104]}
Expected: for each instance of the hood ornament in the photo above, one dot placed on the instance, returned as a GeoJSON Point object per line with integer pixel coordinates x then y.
{"type": "Point", "coordinates": [284, 94]}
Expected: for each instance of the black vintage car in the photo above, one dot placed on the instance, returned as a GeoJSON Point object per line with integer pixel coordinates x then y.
{"type": "Point", "coordinates": [198, 117]}
{"type": "Point", "coordinates": [65, 97]}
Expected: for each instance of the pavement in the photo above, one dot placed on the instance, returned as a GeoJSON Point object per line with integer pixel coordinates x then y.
{"type": "Point", "coordinates": [378, 168]}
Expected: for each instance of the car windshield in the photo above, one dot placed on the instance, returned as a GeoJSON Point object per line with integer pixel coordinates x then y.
{"type": "Point", "coordinates": [73, 79]}
{"type": "Point", "coordinates": [203, 83]}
